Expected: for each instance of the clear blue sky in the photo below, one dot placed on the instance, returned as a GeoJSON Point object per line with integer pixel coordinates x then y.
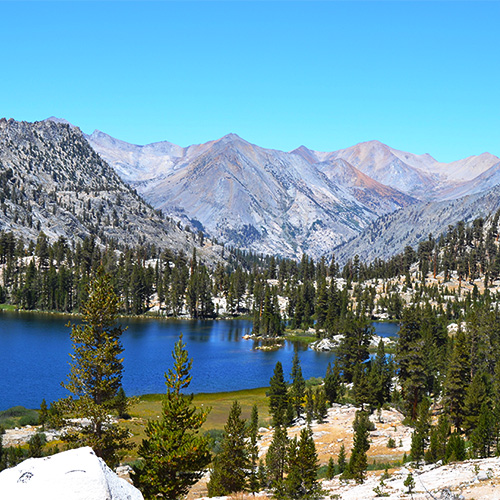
{"type": "Point", "coordinates": [420, 76]}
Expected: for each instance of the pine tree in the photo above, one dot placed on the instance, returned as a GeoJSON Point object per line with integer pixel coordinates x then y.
{"type": "Point", "coordinates": [382, 375]}
{"type": "Point", "coordinates": [321, 309]}
{"type": "Point", "coordinates": [174, 455]}
{"type": "Point", "coordinates": [320, 408]}
{"type": "Point", "coordinates": [96, 373]}
{"type": "Point", "coordinates": [409, 482]}
{"type": "Point", "coordinates": [353, 348]}
{"type": "Point", "coordinates": [439, 440]}
{"type": "Point", "coordinates": [278, 397]}
{"type": "Point", "coordinates": [455, 448]}
{"type": "Point", "coordinates": [230, 465]}
{"type": "Point", "coordinates": [411, 360]}
{"type": "Point", "coordinates": [297, 391]}
{"type": "Point", "coordinates": [484, 433]}
{"type": "Point", "coordinates": [342, 460]}
{"type": "Point", "coordinates": [475, 396]}
{"type": "Point", "coordinates": [330, 471]}
{"type": "Point", "coordinates": [361, 444]}
{"type": "Point", "coordinates": [121, 403]}
{"type": "Point", "coordinates": [332, 383]}
{"type": "Point", "coordinates": [457, 380]}
{"type": "Point", "coordinates": [302, 469]}
{"type": "Point", "coordinates": [276, 458]}
{"type": "Point", "coordinates": [253, 431]}
{"type": "Point", "coordinates": [44, 413]}
{"type": "Point", "coordinates": [267, 319]}
{"type": "Point", "coordinates": [291, 485]}
{"type": "Point", "coordinates": [364, 387]}
{"type": "Point", "coordinates": [310, 406]}
{"type": "Point", "coordinates": [35, 445]}
{"type": "Point", "coordinates": [420, 436]}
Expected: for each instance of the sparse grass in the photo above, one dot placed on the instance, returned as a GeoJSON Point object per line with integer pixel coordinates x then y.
{"type": "Point", "coordinates": [384, 465]}
{"type": "Point", "coordinates": [387, 348]}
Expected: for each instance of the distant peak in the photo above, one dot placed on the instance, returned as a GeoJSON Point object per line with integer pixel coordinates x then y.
{"type": "Point", "coordinates": [486, 154]}
{"type": "Point", "coordinates": [231, 140]}
{"type": "Point", "coordinates": [301, 148]}
{"type": "Point", "coordinates": [97, 134]}
{"type": "Point", "coordinates": [58, 120]}
{"type": "Point", "coordinates": [307, 154]}
{"type": "Point", "coordinates": [231, 137]}
{"type": "Point", "coordinates": [373, 143]}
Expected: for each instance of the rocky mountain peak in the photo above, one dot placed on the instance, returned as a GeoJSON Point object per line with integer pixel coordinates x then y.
{"type": "Point", "coordinates": [233, 139]}
{"type": "Point", "coordinates": [51, 180]}
{"type": "Point", "coordinates": [54, 119]}
{"type": "Point", "coordinates": [306, 153]}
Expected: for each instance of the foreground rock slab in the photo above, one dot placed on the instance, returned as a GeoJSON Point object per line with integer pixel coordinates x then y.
{"type": "Point", "coordinates": [472, 479]}
{"type": "Point", "coordinates": [72, 475]}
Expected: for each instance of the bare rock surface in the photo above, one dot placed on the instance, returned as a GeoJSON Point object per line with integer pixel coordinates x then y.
{"type": "Point", "coordinates": [463, 480]}
{"type": "Point", "coordinates": [72, 475]}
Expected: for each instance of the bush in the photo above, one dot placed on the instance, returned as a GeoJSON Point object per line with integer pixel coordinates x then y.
{"type": "Point", "coordinates": [314, 381]}
{"type": "Point", "coordinates": [18, 416]}
{"type": "Point", "coordinates": [391, 443]}
{"type": "Point", "coordinates": [28, 420]}
{"type": "Point", "coordinates": [15, 411]}
{"type": "Point", "coordinates": [216, 436]}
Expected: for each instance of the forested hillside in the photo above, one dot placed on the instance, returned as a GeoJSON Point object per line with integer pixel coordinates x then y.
{"type": "Point", "coordinates": [51, 180]}
{"type": "Point", "coordinates": [442, 372]}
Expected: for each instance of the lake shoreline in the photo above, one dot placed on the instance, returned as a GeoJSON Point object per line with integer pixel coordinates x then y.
{"type": "Point", "coordinates": [36, 347]}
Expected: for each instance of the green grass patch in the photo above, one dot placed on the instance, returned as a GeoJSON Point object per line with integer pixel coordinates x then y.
{"type": "Point", "coordinates": [388, 349]}
{"type": "Point", "coordinates": [18, 416]}
{"type": "Point", "coordinates": [384, 465]}
{"type": "Point", "coordinates": [7, 307]}
{"type": "Point", "coordinates": [149, 407]}
{"type": "Point", "coordinates": [300, 336]}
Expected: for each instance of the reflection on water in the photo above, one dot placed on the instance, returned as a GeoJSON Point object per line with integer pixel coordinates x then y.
{"type": "Point", "coordinates": [34, 356]}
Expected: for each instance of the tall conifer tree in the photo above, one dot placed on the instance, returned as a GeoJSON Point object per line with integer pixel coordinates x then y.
{"type": "Point", "coordinates": [278, 397]}
{"type": "Point", "coordinates": [229, 472]}
{"type": "Point", "coordinates": [174, 454]}
{"type": "Point", "coordinates": [96, 373]}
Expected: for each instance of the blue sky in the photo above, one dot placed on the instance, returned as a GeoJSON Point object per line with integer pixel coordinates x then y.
{"type": "Point", "coordinates": [420, 76]}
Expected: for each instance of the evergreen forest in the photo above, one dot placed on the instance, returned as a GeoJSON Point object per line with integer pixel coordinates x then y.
{"type": "Point", "coordinates": [443, 372]}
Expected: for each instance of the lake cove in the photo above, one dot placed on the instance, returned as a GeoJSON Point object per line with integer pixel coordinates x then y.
{"type": "Point", "coordinates": [34, 356]}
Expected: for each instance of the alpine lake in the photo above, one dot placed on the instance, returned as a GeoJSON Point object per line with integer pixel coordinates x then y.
{"type": "Point", "coordinates": [35, 355]}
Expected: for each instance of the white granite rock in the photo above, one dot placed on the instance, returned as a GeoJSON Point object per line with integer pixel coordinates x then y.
{"type": "Point", "coordinates": [72, 475]}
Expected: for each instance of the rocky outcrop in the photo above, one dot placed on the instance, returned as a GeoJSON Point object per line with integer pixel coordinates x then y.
{"type": "Point", "coordinates": [454, 481]}
{"type": "Point", "coordinates": [326, 344]}
{"type": "Point", "coordinates": [72, 475]}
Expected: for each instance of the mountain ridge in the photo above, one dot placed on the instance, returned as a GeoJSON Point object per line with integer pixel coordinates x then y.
{"type": "Point", "coordinates": [51, 180]}
{"type": "Point", "coordinates": [288, 203]}
{"type": "Point", "coordinates": [319, 206]}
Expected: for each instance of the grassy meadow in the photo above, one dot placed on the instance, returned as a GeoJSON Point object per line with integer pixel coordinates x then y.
{"type": "Point", "coordinates": [147, 407]}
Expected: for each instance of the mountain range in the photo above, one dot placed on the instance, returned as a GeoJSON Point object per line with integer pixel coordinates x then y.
{"type": "Point", "coordinates": [369, 199]}
{"type": "Point", "coordinates": [300, 201]}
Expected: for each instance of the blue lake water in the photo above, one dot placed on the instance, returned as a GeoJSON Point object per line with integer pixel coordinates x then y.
{"type": "Point", "coordinates": [34, 356]}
